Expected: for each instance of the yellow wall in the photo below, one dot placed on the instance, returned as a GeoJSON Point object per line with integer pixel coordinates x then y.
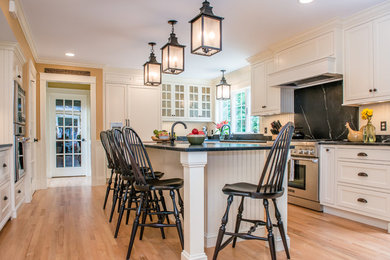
{"type": "Point", "coordinates": [98, 73]}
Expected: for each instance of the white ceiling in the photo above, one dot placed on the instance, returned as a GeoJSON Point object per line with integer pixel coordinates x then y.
{"type": "Point", "coordinates": [6, 34]}
{"type": "Point", "coordinates": [116, 32]}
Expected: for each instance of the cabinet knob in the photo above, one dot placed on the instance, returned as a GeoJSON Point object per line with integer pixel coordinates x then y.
{"type": "Point", "coordinates": [19, 76]}
{"type": "Point", "coordinates": [263, 106]}
{"type": "Point", "coordinates": [362, 155]}
{"type": "Point", "coordinates": [19, 191]}
{"type": "Point", "coordinates": [375, 90]}
{"type": "Point", "coordinates": [4, 165]}
{"type": "Point", "coordinates": [362, 174]}
{"type": "Point", "coordinates": [5, 197]}
{"type": "Point", "coordinates": [362, 200]}
{"type": "Point", "coordinates": [327, 149]}
{"type": "Point", "coordinates": [370, 90]}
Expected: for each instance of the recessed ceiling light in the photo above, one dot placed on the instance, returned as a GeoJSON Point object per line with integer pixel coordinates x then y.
{"type": "Point", "coordinates": [69, 54]}
{"type": "Point", "coordinates": [305, 1]}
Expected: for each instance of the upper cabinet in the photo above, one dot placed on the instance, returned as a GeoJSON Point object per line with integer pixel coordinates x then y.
{"type": "Point", "coordinates": [366, 62]}
{"type": "Point", "coordinates": [267, 100]}
{"type": "Point", "coordinates": [187, 102]}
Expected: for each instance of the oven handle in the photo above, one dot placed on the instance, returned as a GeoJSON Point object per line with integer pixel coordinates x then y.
{"type": "Point", "coordinates": [314, 160]}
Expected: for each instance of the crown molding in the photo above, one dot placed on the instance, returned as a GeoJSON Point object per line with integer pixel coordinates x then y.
{"type": "Point", "coordinates": [25, 28]}
{"type": "Point", "coordinates": [367, 14]}
{"type": "Point", "coordinates": [69, 63]}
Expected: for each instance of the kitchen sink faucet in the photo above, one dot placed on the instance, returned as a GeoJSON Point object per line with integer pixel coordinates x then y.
{"type": "Point", "coordinates": [230, 132]}
{"type": "Point", "coordinates": [173, 131]}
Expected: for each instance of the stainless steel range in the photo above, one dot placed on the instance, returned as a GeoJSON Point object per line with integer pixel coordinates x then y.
{"type": "Point", "coordinates": [303, 175]}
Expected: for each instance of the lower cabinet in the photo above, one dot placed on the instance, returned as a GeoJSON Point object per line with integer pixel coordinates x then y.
{"type": "Point", "coordinates": [6, 198]}
{"type": "Point", "coordinates": [19, 193]}
{"type": "Point", "coordinates": [356, 179]}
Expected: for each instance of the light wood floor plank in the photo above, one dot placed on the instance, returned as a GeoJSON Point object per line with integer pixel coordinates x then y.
{"type": "Point", "coordinates": [68, 223]}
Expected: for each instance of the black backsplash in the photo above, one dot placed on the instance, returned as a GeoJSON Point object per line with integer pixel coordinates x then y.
{"type": "Point", "coordinates": [319, 113]}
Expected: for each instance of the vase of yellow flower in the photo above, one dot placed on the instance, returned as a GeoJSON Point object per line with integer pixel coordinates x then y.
{"type": "Point", "coordinates": [369, 135]}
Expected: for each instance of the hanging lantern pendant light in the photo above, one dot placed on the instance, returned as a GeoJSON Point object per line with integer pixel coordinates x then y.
{"type": "Point", "coordinates": [152, 69]}
{"type": "Point", "coordinates": [206, 32]}
{"type": "Point", "coordinates": [172, 54]}
{"type": "Point", "coordinates": [223, 89]}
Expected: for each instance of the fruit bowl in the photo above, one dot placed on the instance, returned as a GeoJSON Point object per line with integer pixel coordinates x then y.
{"type": "Point", "coordinates": [196, 139]}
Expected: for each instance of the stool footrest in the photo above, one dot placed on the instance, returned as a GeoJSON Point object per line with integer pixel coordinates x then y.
{"type": "Point", "coordinates": [257, 222]}
{"type": "Point", "coordinates": [156, 225]}
{"type": "Point", "coordinates": [246, 236]}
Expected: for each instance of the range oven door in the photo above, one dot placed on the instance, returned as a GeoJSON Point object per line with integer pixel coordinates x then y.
{"type": "Point", "coordinates": [303, 178]}
{"type": "Point", "coordinates": [19, 157]}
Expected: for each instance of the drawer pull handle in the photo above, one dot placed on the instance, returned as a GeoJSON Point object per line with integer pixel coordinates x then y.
{"type": "Point", "coordinates": [362, 155]}
{"type": "Point", "coordinates": [362, 174]}
{"type": "Point", "coordinates": [4, 165]}
{"type": "Point", "coordinates": [5, 197]}
{"type": "Point", "coordinates": [19, 191]}
{"type": "Point", "coordinates": [362, 200]}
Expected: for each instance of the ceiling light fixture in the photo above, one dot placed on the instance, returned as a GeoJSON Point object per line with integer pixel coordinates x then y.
{"type": "Point", "coordinates": [69, 54]}
{"type": "Point", "coordinates": [173, 54]}
{"type": "Point", "coordinates": [223, 89]}
{"type": "Point", "coordinates": [206, 32]}
{"type": "Point", "coordinates": [305, 1]}
{"type": "Point", "coordinates": [152, 69]}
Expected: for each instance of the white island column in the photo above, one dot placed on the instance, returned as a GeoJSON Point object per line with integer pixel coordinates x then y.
{"type": "Point", "coordinates": [193, 170]}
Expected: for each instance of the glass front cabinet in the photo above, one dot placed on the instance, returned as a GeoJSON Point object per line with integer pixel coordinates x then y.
{"type": "Point", "coordinates": [186, 102]}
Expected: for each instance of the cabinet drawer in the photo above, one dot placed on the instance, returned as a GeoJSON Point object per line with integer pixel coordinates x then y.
{"type": "Point", "coordinates": [370, 175]}
{"type": "Point", "coordinates": [364, 154]}
{"type": "Point", "coordinates": [366, 202]}
{"type": "Point", "coordinates": [5, 199]}
{"type": "Point", "coordinates": [4, 167]}
{"type": "Point", "coordinates": [19, 192]}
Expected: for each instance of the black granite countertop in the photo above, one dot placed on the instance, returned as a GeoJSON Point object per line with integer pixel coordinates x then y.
{"type": "Point", "coordinates": [5, 145]}
{"type": "Point", "coordinates": [352, 143]}
{"type": "Point", "coordinates": [207, 147]}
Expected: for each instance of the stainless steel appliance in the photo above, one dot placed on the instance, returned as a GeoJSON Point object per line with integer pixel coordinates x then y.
{"type": "Point", "coordinates": [304, 175]}
{"type": "Point", "coordinates": [19, 130]}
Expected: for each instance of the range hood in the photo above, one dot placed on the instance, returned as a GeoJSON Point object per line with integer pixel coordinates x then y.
{"type": "Point", "coordinates": [306, 75]}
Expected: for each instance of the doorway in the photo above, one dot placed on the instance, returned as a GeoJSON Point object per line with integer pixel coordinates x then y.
{"type": "Point", "coordinates": [68, 118]}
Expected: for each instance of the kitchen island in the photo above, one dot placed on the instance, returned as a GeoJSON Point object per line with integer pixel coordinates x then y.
{"type": "Point", "coordinates": [206, 169]}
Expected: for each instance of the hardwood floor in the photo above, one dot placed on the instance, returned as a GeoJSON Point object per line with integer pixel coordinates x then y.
{"type": "Point", "coordinates": [69, 223]}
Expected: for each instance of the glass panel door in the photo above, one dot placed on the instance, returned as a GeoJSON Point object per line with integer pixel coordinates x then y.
{"type": "Point", "coordinates": [179, 100]}
{"type": "Point", "coordinates": [193, 99]}
{"type": "Point", "coordinates": [166, 99]}
{"type": "Point", "coordinates": [206, 102]}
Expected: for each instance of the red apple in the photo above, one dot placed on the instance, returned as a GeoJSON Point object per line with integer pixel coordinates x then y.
{"type": "Point", "coordinates": [201, 133]}
{"type": "Point", "coordinates": [195, 131]}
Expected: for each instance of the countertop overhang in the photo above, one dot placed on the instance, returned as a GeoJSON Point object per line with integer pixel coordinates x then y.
{"type": "Point", "coordinates": [352, 143]}
{"type": "Point", "coordinates": [208, 147]}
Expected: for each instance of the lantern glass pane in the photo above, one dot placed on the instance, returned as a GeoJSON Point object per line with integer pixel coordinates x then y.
{"type": "Point", "coordinates": [225, 91]}
{"type": "Point", "coordinates": [197, 34]}
{"type": "Point", "coordinates": [212, 32]}
{"type": "Point", "coordinates": [176, 58]}
{"type": "Point", "coordinates": [145, 73]}
{"type": "Point", "coordinates": [219, 91]}
{"type": "Point", "coordinates": [165, 58]}
{"type": "Point", "coordinates": [154, 73]}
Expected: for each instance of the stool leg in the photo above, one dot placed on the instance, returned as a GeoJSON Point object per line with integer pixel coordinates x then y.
{"type": "Point", "coordinates": [160, 217]}
{"type": "Point", "coordinates": [108, 189]}
{"type": "Point", "coordinates": [180, 203]}
{"type": "Point", "coordinates": [238, 220]}
{"type": "Point", "coordinates": [271, 239]}
{"type": "Point", "coordinates": [281, 229]}
{"type": "Point", "coordinates": [114, 199]}
{"type": "Point", "coordinates": [135, 226]}
{"type": "Point", "coordinates": [130, 202]}
{"type": "Point", "coordinates": [164, 206]}
{"type": "Point", "coordinates": [123, 205]}
{"type": "Point", "coordinates": [177, 218]}
{"type": "Point", "coordinates": [150, 200]}
{"type": "Point", "coordinates": [120, 194]}
{"type": "Point", "coordinates": [222, 229]}
{"type": "Point", "coordinates": [144, 214]}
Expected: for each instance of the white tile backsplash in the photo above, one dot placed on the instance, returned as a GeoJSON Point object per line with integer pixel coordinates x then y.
{"type": "Point", "coordinates": [265, 121]}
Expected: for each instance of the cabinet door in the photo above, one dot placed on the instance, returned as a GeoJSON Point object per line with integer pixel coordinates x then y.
{"type": "Point", "coordinates": [116, 110]}
{"type": "Point", "coordinates": [144, 110]}
{"type": "Point", "coordinates": [382, 57]}
{"type": "Point", "coordinates": [327, 175]}
{"type": "Point", "coordinates": [193, 102]}
{"type": "Point", "coordinates": [179, 104]}
{"type": "Point", "coordinates": [258, 88]}
{"type": "Point", "coordinates": [358, 63]}
{"type": "Point", "coordinates": [166, 100]}
{"type": "Point", "coordinates": [205, 102]}
{"type": "Point", "coordinates": [272, 104]}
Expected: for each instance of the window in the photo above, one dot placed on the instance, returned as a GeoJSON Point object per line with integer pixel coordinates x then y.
{"type": "Point", "coordinates": [237, 112]}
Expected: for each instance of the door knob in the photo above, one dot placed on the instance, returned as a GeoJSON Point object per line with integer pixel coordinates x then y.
{"type": "Point", "coordinates": [370, 90]}
{"type": "Point", "coordinates": [83, 140]}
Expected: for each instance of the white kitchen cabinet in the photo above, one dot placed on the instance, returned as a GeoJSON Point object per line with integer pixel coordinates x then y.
{"type": "Point", "coordinates": [355, 180]}
{"type": "Point", "coordinates": [6, 200]}
{"type": "Point", "coordinates": [133, 105]}
{"type": "Point", "coordinates": [366, 62]}
{"type": "Point", "coordinates": [327, 175]}
{"type": "Point", "coordinates": [186, 102]}
{"type": "Point", "coordinates": [268, 100]}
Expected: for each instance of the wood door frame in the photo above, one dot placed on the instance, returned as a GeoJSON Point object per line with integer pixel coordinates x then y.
{"type": "Point", "coordinates": [44, 79]}
{"type": "Point", "coordinates": [62, 93]}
